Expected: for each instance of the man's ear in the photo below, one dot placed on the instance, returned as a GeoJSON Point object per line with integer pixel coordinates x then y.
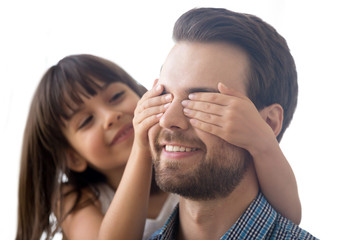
{"type": "Point", "coordinates": [75, 162]}
{"type": "Point", "coordinates": [273, 115]}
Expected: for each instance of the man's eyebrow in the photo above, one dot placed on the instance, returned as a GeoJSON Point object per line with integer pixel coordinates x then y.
{"type": "Point", "coordinates": [202, 89]}
{"type": "Point", "coordinates": [194, 90]}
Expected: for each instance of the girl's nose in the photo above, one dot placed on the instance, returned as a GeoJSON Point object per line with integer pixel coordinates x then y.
{"type": "Point", "coordinates": [174, 117]}
{"type": "Point", "coordinates": [111, 118]}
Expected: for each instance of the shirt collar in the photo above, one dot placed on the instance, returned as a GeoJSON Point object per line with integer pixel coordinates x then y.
{"type": "Point", "coordinates": [168, 231]}
{"type": "Point", "coordinates": [256, 221]}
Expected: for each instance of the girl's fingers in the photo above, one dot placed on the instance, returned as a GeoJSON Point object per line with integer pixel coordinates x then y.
{"type": "Point", "coordinates": [148, 122]}
{"type": "Point", "coordinates": [229, 91]}
{"type": "Point", "coordinates": [155, 101]}
{"type": "Point", "coordinates": [155, 91]}
{"type": "Point", "coordinates": [224, 96]}
{"type": "Point", "coordinates": [204, 117]}
{"type": "Point", "coordinates": [151, 106]}
{"type": "Point", "coordinates": [203, 107]}
{"type": "Point", "coordinates": [210, 97]}
{"type": "Point", "coordinates": [149, 112]}
{"type": "Point", "coordinates": [206, 127]}
{"type": "Point", "coordinates": [152, 98]}
{"type": "Point", "coordinates": [142, 128]}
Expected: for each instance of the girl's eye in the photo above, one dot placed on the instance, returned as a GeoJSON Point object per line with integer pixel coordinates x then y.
{"type": "Point", "coordinates": [117, 96]}
{"type": "Point", "coordinates": [85, 122]}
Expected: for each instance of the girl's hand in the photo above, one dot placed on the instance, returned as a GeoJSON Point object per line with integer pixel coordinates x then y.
{"type": "Point", "coordinates": [229, 115]}
{"type": "Point", "coordinates": [148, 111]}
{"type": "Point", "coordinates": [233, 117]}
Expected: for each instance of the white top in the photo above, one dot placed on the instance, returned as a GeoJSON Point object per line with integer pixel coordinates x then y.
{"type": "Point", "coordinates": [151, 225]}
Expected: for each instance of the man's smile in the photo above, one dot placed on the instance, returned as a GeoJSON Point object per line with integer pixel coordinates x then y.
{"type": "Point", "coordinates": [177, 148]}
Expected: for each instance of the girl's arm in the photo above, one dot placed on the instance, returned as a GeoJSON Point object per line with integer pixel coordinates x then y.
{"type": "Point", "coordinates": [125, 218]}
{"type": "Point", "coordinates": [233, 117]}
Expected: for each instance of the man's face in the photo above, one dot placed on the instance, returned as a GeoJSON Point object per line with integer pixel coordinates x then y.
{"type": "Point", "coordinates": [188, 161]}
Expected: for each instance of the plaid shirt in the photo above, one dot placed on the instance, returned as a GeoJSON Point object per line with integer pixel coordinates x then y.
{"type": "Point", "coordinates": [259, 221]}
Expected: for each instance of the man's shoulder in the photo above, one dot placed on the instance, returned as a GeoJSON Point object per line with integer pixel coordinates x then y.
{"type": "Point", "coordinates": [261, 221]}
{"type": "Point", "coordinates": [283, 228]}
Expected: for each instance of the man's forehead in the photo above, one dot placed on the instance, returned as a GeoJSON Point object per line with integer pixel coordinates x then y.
{"type": "Point", "coordinates": [202, 66]}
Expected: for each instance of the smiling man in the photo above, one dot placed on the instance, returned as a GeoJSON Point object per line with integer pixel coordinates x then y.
{"type": "Point", "coordinates": [193, 157]}
{"type": "Point", "coordinates": [217, 181]}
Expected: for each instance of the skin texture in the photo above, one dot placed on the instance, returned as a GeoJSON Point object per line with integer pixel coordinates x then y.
{"type": "Point", "coordinates": [206, 121]}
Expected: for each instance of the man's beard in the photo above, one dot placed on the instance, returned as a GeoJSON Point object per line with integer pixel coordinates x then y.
{"type": "Point", "coordinates": [216, 175]}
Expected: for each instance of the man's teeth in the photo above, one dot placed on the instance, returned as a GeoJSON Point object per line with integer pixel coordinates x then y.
{"type": "Point", "coordinates": [171, 148]}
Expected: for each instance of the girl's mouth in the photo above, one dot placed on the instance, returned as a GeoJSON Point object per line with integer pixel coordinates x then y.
{"type": "Point", "coordinates": [123, 134]}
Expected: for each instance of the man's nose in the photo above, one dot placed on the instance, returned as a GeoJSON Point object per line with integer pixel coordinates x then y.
{"type": "Point", "coordinates": [174, 117]}
{"type": "Point", "coordinates": [111, 118]}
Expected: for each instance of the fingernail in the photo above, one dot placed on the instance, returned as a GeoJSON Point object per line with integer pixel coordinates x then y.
{"type": "Point", "coordinates": [168, 97]}
{"type": "Point", "coordinates": [185, 102]}
{"type": "Point", "coordinates": [158, 87]}
{"type": "Point", "coordinates": [192, 121]}
{"type": "Point", "coordinates": [167, 105]}
{"type": "Point", "coordinates": [186, 110]}
{"type": "Point", "coordinates": [191, 95]}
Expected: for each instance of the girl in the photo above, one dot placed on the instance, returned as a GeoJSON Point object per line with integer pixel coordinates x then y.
{"type": "Point", "coordinates": [85, 124]}
{"type": "Point", "coordinates": [78, 138]}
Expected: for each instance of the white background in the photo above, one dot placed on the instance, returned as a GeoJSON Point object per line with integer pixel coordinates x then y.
{"type": "Point", "coordinates": [322, 143]}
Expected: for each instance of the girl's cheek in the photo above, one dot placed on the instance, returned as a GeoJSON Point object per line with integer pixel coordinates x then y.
{"type": "Point", "coordinates": [130, 104]}
{"type": "Point", "coordinates": [132, 107]}
{"type": "Point", "coordinates": [92, 144]}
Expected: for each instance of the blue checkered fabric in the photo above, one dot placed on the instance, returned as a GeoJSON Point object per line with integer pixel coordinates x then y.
{"type": "Point", "coordinates": [259, 221]}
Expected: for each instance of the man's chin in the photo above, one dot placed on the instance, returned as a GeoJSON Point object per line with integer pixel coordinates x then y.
{"type": "Point", "coordinates": [188, 191]}
{"type": "Point", "coordinates": [203, 182]}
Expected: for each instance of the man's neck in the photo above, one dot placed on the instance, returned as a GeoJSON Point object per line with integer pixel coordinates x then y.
{"type": "Point", "coordinates": [212, 219]}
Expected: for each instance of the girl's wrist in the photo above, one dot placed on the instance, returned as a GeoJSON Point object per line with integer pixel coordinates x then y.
{"type": "Point", "coordinates": [267, 147]}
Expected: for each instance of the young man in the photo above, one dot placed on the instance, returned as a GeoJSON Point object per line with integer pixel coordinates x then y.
{"type": "Point", "coordinates": [214, 168]}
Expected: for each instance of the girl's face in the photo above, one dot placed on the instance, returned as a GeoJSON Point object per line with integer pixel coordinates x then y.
{"type": "Point", "coordinates": [100, 130]}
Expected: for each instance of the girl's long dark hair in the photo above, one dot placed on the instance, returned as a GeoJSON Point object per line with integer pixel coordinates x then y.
{"type": "Point", "coordinates": [43, 152]}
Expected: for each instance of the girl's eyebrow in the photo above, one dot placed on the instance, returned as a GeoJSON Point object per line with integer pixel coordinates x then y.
{"type": "Point", "coordinates": [80, 107]}
{"type": "Point", "coordinates": [105, 86]}
{"type": "Point", "coordinates": [75, 111]}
